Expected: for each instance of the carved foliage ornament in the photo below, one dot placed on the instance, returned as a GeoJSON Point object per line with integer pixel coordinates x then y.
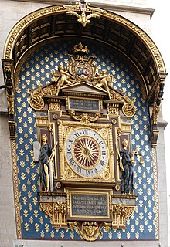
{"type": "Point", "coordinates": [84, 117]}
{"type": "Point", "coordinates": [120, 215]}
{"type": "Point", "coordinates": [84, 13]}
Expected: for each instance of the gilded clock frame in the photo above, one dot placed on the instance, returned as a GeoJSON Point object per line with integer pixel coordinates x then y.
{"type": "Point", "coordinates": [66, 172]}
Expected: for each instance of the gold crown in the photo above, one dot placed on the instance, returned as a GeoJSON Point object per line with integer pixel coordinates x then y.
{"type": "Point", "coordinates": [80, 48]}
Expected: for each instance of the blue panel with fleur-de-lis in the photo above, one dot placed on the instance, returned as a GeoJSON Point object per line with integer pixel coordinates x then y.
{"type": "Point", "coordinates": [36, 71]}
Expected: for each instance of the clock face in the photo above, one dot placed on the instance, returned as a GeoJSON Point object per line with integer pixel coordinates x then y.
{"type": "Point", "coordinates": [86, 152]}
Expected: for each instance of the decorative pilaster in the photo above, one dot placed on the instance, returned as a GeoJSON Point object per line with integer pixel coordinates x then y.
{"type": "Point", "coordinates": [8, 70]}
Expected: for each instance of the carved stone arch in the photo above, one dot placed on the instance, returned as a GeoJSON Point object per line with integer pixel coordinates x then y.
{"type": "Point", "coordinates": [20, 26]}
{"type": "Point", "coordinates": [51, 22]}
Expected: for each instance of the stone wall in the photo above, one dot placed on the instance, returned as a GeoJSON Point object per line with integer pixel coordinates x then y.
{"type": "Point", "coordinates": [7, 212]}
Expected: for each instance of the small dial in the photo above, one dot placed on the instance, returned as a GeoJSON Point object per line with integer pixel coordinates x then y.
{"type": "Point", "coordinates": [86, 152]}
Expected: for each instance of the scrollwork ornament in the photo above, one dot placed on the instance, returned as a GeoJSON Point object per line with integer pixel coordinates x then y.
{"type": "Point", "coordinates": [36, 99]}
{"type": "Point", "coordinates": [84, 117]}
{"type": "Point", "coordinates": [106, 175]}
{"type": "Point", "coordinates": [48, 209]}
{"type": "Point", "coordinates": [107, 227]}
{"type": "Point", "coordinates": [68, 173]}
{"type": "Point", "coordinates": [114, 121]}
{"type": "Point", "coordinates": [129, 109]}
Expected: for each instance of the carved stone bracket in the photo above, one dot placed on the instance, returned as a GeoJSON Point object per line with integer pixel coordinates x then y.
{"type": "Point", "coordinates": [155, 98]}
{"type": "Point", "coordinates": [121, 214]}
{"type": "Point", "coordinates": [54, 206]}
{"type": "Point", "coordinates": [122, 209]}
{"type": "Point", "coordinates": [120, 102]}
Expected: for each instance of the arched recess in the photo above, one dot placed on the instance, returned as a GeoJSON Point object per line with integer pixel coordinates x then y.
{"type": "Point", "coordinates": [110, 28]}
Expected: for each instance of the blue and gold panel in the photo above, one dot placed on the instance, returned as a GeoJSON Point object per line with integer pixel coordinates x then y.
{"type": "Point", "coordinates": [36, 71]}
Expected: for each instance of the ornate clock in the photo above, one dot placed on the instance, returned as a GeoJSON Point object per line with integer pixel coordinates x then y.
{"type": "Point", "coordinates": [86, 152]}
{"type": "Point", "coordinates": [86, 120]}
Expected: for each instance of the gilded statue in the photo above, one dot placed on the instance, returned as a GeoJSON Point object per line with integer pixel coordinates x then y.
{"type": "Point", "coordinates": [46, 161]}
{"type": "Point", "coordinates": [63, 78]}
{"type": "Point", "coordinates": [105, 81]}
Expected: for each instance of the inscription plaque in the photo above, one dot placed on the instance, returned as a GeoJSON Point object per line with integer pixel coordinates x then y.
{"type": "Point", "coordinates": [84, 105]}
{"type": "Point", "coordinates": [89, 205]}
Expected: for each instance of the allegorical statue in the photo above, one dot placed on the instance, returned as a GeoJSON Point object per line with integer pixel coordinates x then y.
{"type": "Point", "coordinates": [127, 160]}
{"type": "Point", "coordinates": [105, 81]}
{"type": "Point", "coordinates": [62, 77]}
{"type": "Point", "coordinates": [46, 157]}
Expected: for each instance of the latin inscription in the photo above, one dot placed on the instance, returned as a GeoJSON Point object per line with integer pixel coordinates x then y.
{"type": "Point", "coordinates": [84, 104]}
{"type": "Point", "coordinates": [89, 205]}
